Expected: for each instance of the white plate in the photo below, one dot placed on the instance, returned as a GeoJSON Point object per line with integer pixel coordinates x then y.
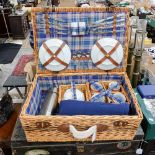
{"type": "Point", "coordinates": [64, 55]}
{"type": "Point", "coordinates": [108, 44]}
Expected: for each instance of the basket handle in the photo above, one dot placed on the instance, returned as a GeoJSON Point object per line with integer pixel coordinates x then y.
{"type": "Point", "coordinates": [84, 134]}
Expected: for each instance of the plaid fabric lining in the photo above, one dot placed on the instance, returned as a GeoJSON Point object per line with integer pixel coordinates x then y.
{"type": "Point", "coordinates": [46, 83]}
{"type": "Point", "coordinates": [73, 88]}
{"type": "Point", "coordinates": [35, 99]}
{"type": "Point", "coordinates": [129, 95]}
{"type": "Point", "coordinates": [60, 28]}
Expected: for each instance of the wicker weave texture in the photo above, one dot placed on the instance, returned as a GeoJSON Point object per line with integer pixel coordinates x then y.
{"type": "Point", "coordinates": [78, 10]}
{"type": "Point", "coordinates": [56, 128]}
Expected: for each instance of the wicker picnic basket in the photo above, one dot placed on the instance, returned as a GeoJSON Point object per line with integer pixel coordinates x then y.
{"type": "Point", "coordinates": [55, 128]}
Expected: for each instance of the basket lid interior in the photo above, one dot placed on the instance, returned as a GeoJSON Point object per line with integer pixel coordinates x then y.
{"type": "Point", "coordinates": [49, 23]}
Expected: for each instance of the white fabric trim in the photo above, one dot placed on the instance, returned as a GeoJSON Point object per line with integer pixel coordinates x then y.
{"type": "Point", "coordinates": [84, 134]}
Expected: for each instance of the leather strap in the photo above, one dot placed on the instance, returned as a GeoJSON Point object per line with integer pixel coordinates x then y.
{"type": "Point", "coordinates": [107, 55]}
{"type": "Point", "coordinates": [54, 55]}
{"type": "Point", "coordinates": [47, 25]}
{"type": "Point", "coordinates": [114, 25]}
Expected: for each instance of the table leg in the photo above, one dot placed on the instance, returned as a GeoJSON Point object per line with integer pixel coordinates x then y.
{"type": "Point", "coordinates": [6, 90]}
{"type": "Point", "coordinates": [25, 90]}
{"type": "Point", "coordinates": [19, 92]}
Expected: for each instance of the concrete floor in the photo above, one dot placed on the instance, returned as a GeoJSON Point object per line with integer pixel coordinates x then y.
{"type": "Point", "coordinates": [6, 70]}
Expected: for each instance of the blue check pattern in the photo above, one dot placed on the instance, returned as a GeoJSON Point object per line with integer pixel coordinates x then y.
{"type": "Point", "coordinates": [46, 83]}
{"type": "Point", "coordinates": [59, 27]}
{"type": "Point", "coordinates": [96, 86]}
{"type": "Point", "coordinates": [73, 88]}
{"type": "Point", "coordinates": [102, 93]}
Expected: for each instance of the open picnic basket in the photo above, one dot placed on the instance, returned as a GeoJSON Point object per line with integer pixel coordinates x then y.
{"type": "Point", "coordinates": [81, 69]}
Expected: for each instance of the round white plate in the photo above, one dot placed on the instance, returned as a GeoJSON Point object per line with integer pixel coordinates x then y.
{"type": "Point", "coordinates": [108, 44]}
{"type": "Point", "coordinates": [64, 55]}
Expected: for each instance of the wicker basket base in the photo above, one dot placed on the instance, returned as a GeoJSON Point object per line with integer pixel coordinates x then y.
{"type": "Point", "coordinates": [56, 128]}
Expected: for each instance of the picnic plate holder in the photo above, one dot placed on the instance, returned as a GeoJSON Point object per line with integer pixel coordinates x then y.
{"type": "Point", "coordinates": [52, 23]}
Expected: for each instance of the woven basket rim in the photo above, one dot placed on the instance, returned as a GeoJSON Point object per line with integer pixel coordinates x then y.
{"type": "Point", "coordinates": [78, 9]}
{"type": "Point", "coordinates": [112, 117]}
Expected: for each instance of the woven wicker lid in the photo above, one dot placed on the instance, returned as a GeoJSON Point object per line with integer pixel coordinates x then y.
{"type": "Point", "coordinates": [56, 23]}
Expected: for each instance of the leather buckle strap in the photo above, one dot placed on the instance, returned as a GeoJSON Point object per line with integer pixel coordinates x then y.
{"type": "Point", "coordinates": [47, 27]}
{"type": "Point", "coordinates": [54, 55]}
{"type": "Point", "coordinates": [107, 55]}
{"type": "Point", "coordinates": [114, 25]}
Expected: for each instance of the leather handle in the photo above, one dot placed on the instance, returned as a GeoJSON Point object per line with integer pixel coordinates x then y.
{"type": "Point", "coordinates": [65, 128]}
{"type": "Point", "coordinates": [42, 125]}
{"type": "Point", "coordinates": [120, 123]}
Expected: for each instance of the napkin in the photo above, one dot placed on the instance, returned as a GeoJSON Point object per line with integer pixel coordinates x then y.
{"type": "Point", "coordinates": [146, 91]}
{"type": "Point", "coordinates": [78, 28]}
{"type": "Point", "coordinates": [82, 28]}
{"type": "Point", "coordinates": [74, 28]}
